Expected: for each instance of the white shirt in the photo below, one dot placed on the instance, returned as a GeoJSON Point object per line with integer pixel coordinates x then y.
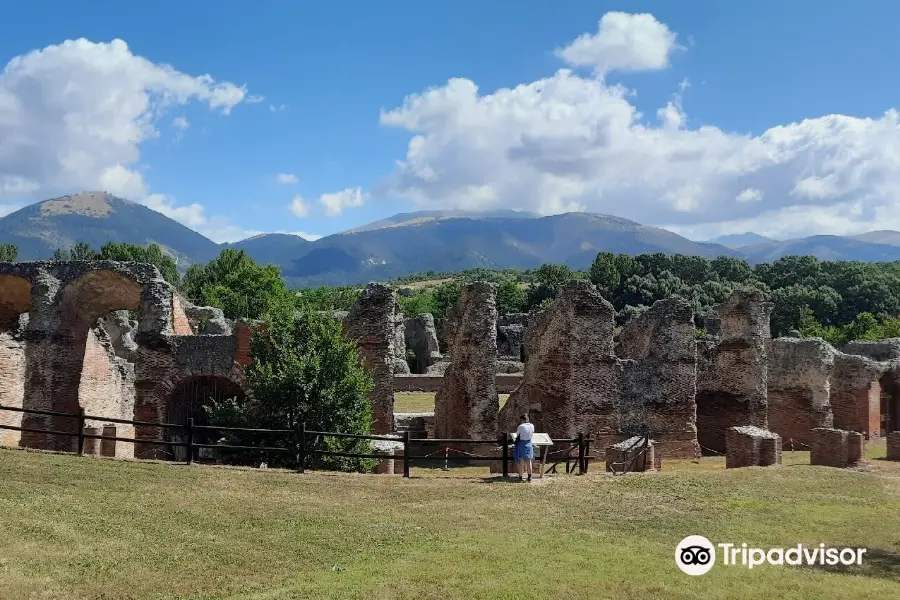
{"type": "Point", "coordinates": [525, 431]}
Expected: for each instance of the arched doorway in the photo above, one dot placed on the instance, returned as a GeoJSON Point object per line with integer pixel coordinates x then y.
{"type": "Point", "coordinates": [189, 400]}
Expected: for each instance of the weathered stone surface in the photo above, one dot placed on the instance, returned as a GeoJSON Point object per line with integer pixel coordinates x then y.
{"type": "Point", "coordinates": [880, 350]}
{"type": "Point", "coordinates": [421, 338]}
{"type": "Point", "coordinates": [205, 320]}
{"type": "Point", "coordinates": [571, 377]}
{"type": "Point", "coordinates": [466, 406]}
{"type": "Point", "coordinates": [835, 447]}
{"type": "Point", "coordinates": [509, 341]}
{"type": "Point", "coordinates": [893, 445]}
{"type": "Point", "coordinates": [749, 446]}
{"type": "Point", "coordinates": [79, 349]}
{"type": "Point", "coordinates": [799, 387]}
{"type": "Point", "coordinates": [732, 371]}
{"type": "Point", "coordinates": [856, 393]}
{"type": "Point", "coordinates": [659, 378]}
{"type": "Point", "coordinates": [372, 324]}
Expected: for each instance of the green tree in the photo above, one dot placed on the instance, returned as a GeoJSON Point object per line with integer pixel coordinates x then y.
{"type": "Point", "coordinates": [604, 273]}
{"type": "Point", "coordinates": [8, 252]}
{"type": "Point", "coordinates": [303, 371]}
{"type": "Point", "coordinates": [328, 298]}
{"type": "Point", "coordinates": [729, 268]}
{"type": "Point", "coordinates": [80, 251]}
{"type": "Point", "coordinates": [510, 297]}
{"type": "Point", "coordinates": [236, 284]}
{"type": "Point", "coordinates": [152, 254]}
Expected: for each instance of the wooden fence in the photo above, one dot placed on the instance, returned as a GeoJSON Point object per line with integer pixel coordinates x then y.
{"type": "Point", "coordinates": [302, 450]}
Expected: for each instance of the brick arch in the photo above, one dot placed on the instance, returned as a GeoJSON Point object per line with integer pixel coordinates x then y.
{"type": "Point", "coordinates": [15, 299]}
{"type": "Point", "coordinates": [81, 301]}
{"type": "Point", "coordinates": [153, 405]}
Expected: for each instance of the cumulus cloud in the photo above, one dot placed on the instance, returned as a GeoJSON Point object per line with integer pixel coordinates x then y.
{"type": "Point", "coordinates": [299, 206]}
{"type": "Point", "coordinates": [336, 203]}
{"type": "Point", "coordinates": [569, 142]}
{"type": "Point", "coordinates": [287, 178]}
{"type": "Point", "coordinates": [73, 116]}
{"type": "Point", "coordinates": [623, 42]}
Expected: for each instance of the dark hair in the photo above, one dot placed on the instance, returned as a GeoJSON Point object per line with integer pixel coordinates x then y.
{"type": "Point", "coordinates": [523, 417]}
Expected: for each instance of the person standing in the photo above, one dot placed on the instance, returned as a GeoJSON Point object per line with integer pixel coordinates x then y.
{"type": "Point", "coordinates": [523, 452]}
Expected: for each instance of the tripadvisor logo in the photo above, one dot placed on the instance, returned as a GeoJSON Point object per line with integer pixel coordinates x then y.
{"type": "Point", "coordinates": [696, 555]}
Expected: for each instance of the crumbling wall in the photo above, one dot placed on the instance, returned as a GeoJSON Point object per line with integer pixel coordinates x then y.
{"type": "Point", "coordinates": [571, 376]}
{"type": "Point", "coordinates": [878, 350]}
{"type": "Point", "coordinates": [799, 387]}
{"type": "Point", "coordinates": [372, 324]}
{"type": "Point", "coordinates": [467, 404]}
{"type": "Point", "coordinates": [12, 383]}
{"type": "Point", "coordinates": [106, 386]}
{"type": "Point", "coordinates": [421, 337]}
{"type": "Point", "coordinates": [856, 394]}
{"type": "Point", "coordinates": [732, 370]}
{"type": "Point", "coordinates": [659, 378]}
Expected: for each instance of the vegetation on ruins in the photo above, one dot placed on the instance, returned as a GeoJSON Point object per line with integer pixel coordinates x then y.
{"type": "Point", "coordinates": [303, 371]}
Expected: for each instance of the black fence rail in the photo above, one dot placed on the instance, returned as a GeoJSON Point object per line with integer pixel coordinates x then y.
{"type": "Point", "coordinates": [301, 449]}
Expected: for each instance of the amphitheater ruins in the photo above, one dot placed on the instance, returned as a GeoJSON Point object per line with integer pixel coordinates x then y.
{"type": "Point", "coordinates": [118, 342]}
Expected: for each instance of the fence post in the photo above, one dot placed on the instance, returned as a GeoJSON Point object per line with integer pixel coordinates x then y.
{"type": "Point", "coordinates": [587, 453]}
{"type": "Point", "coordinates": [301, 460]}
{"type": "Point", "coordinates": [504, 443]}
{"type": "Point", "coordinates": [580, 453]}
{"type": "Point", "coordinates": [190, 440]}
{"type": "Point", "coordinates": [80, 432]}
{"type": "Point", "coordinates": [406, 453]}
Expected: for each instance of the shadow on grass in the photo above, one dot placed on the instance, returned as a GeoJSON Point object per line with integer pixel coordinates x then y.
{"type": "Point", "coordinates": [877, 563]}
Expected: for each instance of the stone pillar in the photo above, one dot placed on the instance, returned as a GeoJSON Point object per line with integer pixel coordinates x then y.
{"type": "Point", "coordinates": [893, 446]}
{"type": "Point", "coordinates": [619, 456]}
{"type": "Point", "coordinates": [748, 446]}
{"type": "Point", "coordinates": [385, 466]}
{"type": "Point", "coordinates": [836, 447]}
{"type": "Point", "coordinates": [91, 445]}
{"type": "Point", "coordinates": [108, 447]}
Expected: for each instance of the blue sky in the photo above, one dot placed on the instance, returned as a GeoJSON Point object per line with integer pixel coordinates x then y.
{"type": "Point", "coordinates": [317, 77]}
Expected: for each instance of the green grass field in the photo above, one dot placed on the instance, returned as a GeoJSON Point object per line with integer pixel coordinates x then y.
{"type": "Point", "coordinates": [412, 402]}
{"type": "Point", "coordinates": [77, 528]}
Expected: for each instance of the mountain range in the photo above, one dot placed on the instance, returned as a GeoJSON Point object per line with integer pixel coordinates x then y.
{"type": "Point", "coordinates": [408, 243]}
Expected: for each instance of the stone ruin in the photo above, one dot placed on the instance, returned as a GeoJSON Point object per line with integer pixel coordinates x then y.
{"type": "Point", "coordinates": [749, 446]}
{"type": "Point", "coordinates": [467, 403]}
{"type": "Point", "coordinates": [113, 339]}
{"type": "Point", "coordinates": [421, 338]}
{"type": "Point", "coordinates": [836, 447]}
{"type": "Point", "coordinates": [375, 324]}
{"type": "Point", "coordinates": [799, 387]}
{"type": "Point", "coordinates": [732, 370]}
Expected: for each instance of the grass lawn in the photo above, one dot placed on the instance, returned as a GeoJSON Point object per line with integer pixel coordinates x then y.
{"type": "Point", "coordinates": [412, 402]}
{"type": "Point", "coordinates": [77, 528]}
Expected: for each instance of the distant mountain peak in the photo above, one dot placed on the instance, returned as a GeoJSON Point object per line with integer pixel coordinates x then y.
{"type": "Point", "coordinates": [737, 240]}
{"type": "Point", "coordinates": [89, 204]}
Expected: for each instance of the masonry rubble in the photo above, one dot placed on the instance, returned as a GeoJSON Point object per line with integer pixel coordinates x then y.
{"type": "Point", "coordinates": [749, 446]}
{"type": "Point", "coordinates": [421, 338]}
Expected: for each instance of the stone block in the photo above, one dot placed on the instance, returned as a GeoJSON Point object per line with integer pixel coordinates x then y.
{"type": "Point", "coordinates": [836, 447]}
{"type": "Point", "coordinates": [108, 447]}
{"type": "Point", "coordinates": [92, 445]}
{"type": "Point", "coordinates": [630, 454]}
{"type": "Point", "coordinates": [749, 446]}
{"type": "Point", "coordinates": [893, 445]}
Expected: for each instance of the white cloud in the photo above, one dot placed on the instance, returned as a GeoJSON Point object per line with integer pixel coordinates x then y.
{"type": "Point", "coordinates": [336, 203]}
{"type": "Point", "coordinates": [180, 123]}
{"type": "Point", "coordinates": [191, 216]}
{"type": "Point", "coordinates": [568, 142]}
{"type": "Point", "coordinates": [73, 116]}
{"type": "Point", "coordinates": [299, 206]}
{"type": "Point", "coordinates": [749, 195]}
{"type": "Point", "coordinates": [287, 178]}
{"type": "Point", "coordinates": [255, 99]}
{"type": "Point", "coordinates": [274, 108]}
{"type": "Point", "coordinates": [629, 42]}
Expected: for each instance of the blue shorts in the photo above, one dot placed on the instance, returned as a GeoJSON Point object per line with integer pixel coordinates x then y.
{"type": "Point", "coordinates": [523, 450]}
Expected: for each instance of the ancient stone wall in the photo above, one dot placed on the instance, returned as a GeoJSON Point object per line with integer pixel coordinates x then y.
{"type": "Point", "coordinates": [12, 383]}
{"type": "Point", "coordinates": [180, 323]}
{"type": "Point", "coordinates": [571, 377]}
{"type": "Point", "coordinates": [372, 324]}
{"type": "Point", "coordinates": [467, 404]}
{"type": "Point", "coordinates": [659, 378]}
{"type": "Point", "coordinates": [878, 350]}
{"type": "Point", "coordinates": [856, 394]}
{"type": "Point", "coordinates": [732, 370]}
{"type": "Point", "coordinates": [893, 445]}
{"type": "Point", "coordinates": [799, 387]}
{"type": "Point", "coordinates": [421, 337]}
